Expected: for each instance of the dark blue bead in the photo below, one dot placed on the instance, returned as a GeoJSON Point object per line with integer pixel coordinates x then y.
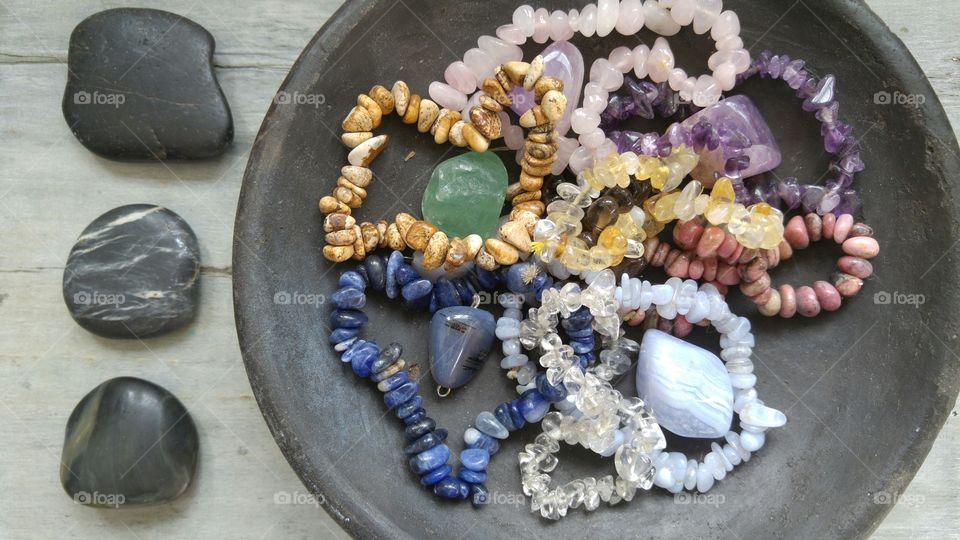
{"type": "Point", "coordinates": [472, 477]}
{"type": "Point", "coordinates": [418, 429]}
{"type": "Point", "coordinates": [347, 343]}
{"type": "Point", "coordinates": [587, 358]}
{"type": "Point", "coordinates": [394, 262]}
{"type": "Point", "coordinates": [552, 393]}
{"type": "Point", "coordinates": [342, 334]}
{"type": "Point", "coordinates": [579, 319]}
{"type": "Point", "coordinates": [475, 459]}
{"type": "Point", "coordinates": [581, 333]}
{"type": "Point", "coordinates": [487, 442]}
{"type": "Point", "coordinates": [464, 489]}
{"type": "Point", "coordinates": [441, 432]}
{"type": "Point", "coordinates": [515, 416]}
{"type": "Point", "coordinates": [406, 274]}
{"type": "Point", "coordinates": [363, 273]}
{"type": "Point", "coordinates": [434, 303]}
{"type": "Point", "coordinates": [541, 282]}
{"type": "Point", "coordinates": [352, 279]}
{"type": "Point", "coordinates": [408, 408]}
{"type": "Point", "coordinates": [479, 495]}
{"type": "Point", "coordinates": [416, 294]}
{"type": "Point", "coordinates": [406, 391]}
{"type": "Point", "coordinates": [414, 417]}
{"type": "Point", "coordinates": [581, 348]}
{"type": "Point", "coordinates": [376, 271]}
{"type": "Point", "coordinates": [387, 358]}
{"type": "Point", "coordinates": [518, 275]}
{"type": "Point", "coordinates": [394, 381]}
{"type": "Point", "coordinates": [436, 475]}
{"type": "Point", "coordinates": [347, 318]}
{"type": "Point", "coordinates": [446, 293]}
{"type": "Point", "coordinates": [488, 281]}
{"type": "Point", "coordinates": [426, 442]}
{"type": "Point", "coordinates": [448, 488]}
{"type": "Point", "coordinates": [530, 403]}
{"type": "Point", "coordinates": [465, 290]}
{"type": "Point", "coordinates": [361, 357]}
{"type": "Point", "coordinates": [502, 412]}
{"type": "Point", "coordinates": [349, 298]}
{"type": "Point", "coordinates": [429, 460]}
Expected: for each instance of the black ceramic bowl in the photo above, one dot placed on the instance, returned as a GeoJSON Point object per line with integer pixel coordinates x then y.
{"type": "Point", "coordinates": [866, 389]}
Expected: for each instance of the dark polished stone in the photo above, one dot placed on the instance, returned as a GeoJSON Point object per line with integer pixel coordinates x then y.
{"type": "Point", "coordinates": [133, 273]}
{"type": "Point", "coordinates": [128, 442]}
{"type": "Point", "coordinates": [140, 85]}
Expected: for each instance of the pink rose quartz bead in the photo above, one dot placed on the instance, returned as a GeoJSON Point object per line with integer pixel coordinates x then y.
{"type": "Point", "coordinates": [829, 221]}
{"type": "Point", "coordinates": [603, 72]}
{"type": "Point", "coordinates": [608, 11]}
{"type": "Point", "coordinates": [480, 62]}
{"type": "Point", "coordinates": [795, 233]}
{"type": "Point", "coordinates": [622, 59]}
{"type": "Point", "coordinates": [461, 77]}
{"type": "Point", "coordinates": [730, 43]}
{"type": "Point", "coordinates": [514, 137]}
{"type": "Point", "coordinates": [658, 19]}
{"type": "Point", "coordinates": [542, 31]}
{"type": "Point", "coordinates": [640, 55]}
{"type": "Point", "coordinates": [447, 96]}
{"type": "Point", "coordinates": [855, 266]}
{"type": "Point", "coordinates": [501, 51]}
{"type": "Point", "coordinates": [788, 301]}
{"type": "Point", "coordinates": [726, 76]}
{"type": "Point", "coordinates": [864, 247]}
{"type": "Point", "coordinates": [573, 19]}
{"type": "Point", "coordinates": [726, 25]}
{"type": "Point", "coordinates": [631, 19]}
{"type": "Point", "coordinates": [559, 26]}
{"type": "Point", "coordinates": [593, 139]}
{"type": "Point", "coordinates": [660, 62]}
{"type": "Point", "coordinates": [827, 295]}
{"type": "Point", "coordinates": [842, 229]}
{"type": "Point", "coordinates": [807, 304]}
{"type": "Point", "coordinates": [588, 20]}
{"type": "Point", "coordinates": [511, 33]}
{"type": "Point", "coordinates": [683, 11]}
{"type": "Point", "coordinates": [523, 18]}
{"type": "Point", "coordinates": [706, 15]}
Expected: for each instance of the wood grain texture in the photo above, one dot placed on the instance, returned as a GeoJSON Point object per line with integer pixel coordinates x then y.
{"type": "Point", "coordinates": [51, 188]}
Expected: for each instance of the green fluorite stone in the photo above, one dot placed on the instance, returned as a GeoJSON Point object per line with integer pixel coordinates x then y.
{"type": "Point", "coordinates": [465, 195]}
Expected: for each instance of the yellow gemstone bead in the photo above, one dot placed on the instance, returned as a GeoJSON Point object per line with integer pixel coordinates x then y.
{"type": "Point", "coordinates": [613, 239]}
{"type": "Point", "coordinates": [663, 210]}
{"type": "Point", "coordinates": [739, 220]}
{"type": "Point", "coordinates": [590, 176]}
{"type": "Point", "coordinates": [646, 166]}
{"type": "Point", "coordinates": [575, 258]}
{"type": "Point", "coordinates": [601, 258]}
{"type": "Point", "coordinates": [659, 177]}
{"type": "Point", "coordinates": [723, 191]}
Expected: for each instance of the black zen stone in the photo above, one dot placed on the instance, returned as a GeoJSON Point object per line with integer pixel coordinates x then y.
{"type": "Point", "coordinates": [128, 442]}
{"type": "Point", "coordinates": [140, 85]}
{"type": "Point", "coordinates": [134, 272]}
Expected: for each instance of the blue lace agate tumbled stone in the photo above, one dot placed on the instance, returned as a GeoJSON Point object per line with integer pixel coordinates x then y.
{"type": "Point", "coordinates": [460, 339]}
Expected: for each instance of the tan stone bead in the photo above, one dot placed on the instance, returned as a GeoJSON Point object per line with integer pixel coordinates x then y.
{"type": "Point", "coordinates": [772, 307]}
{"type": "Point", "coordinates": [535, 170]}
{"type": "Point", "coordinates": [526, 218]}
{"type": "Point", "coordinates": [533, 117]}
{"type": "Point", "coordinates": [476, 141]}
{"type": "Point", "coordinates": [516, 71]}
{"type": "Point", "coordinates": [544, 128]}
{"type": "Point", "coordinates": [337, 222]}
{"type": "Point", "coordinates": [401, 97]}
{"type": "Point", "coordinates": [357, 120]}
{"type": "Point", "coordinates": [359, 251]}
{"type": "Point", "coordinates": [370, 235]}
{"type": "Point", "coordinates": [355, 202]}
{"type": "Point", "coordinates": [383, 97]}
{"type": "Point", "coordinates": [418, 234]}
{"type": "Point", "coordinates": [435, 252]}
{"type": "Point", "coordinates": [344, 195]}
{"type": "Point", "coordinates": [490, 104]}
{"type": "Point", "coordinates": [441, 128]}
{"type": "Point", "coordinates": [346, 237]}
{"type": "Point", "coordinates": [533, 73]}
{"type": "Point", "coordinates": [526, 196]}
{"type": "Point", "coordinates": [554, 105]}
{"type": "Point", "coordinates": [456, 134]}
{"type": "Point", "coordinates": [382, 227]}
{"type": "Point", "coordinates": [473, 243]}
{"type": "Point", "coordinates": [358, 176]}
{"type": "Point", "coordinates": [404, 221]}
{"type": "Point", "coordinates": [493, 89]}
{"type": "Point", "coordinates": [487, 122]}
{"type": "Point", "coordinates": [413, 110]}
{"type": "Point", "coordinates": [537, 207]}
{"type": "Point", "coordinates": [367, 151]}
{"type": "Point", "coordinates": [550, 137]}
{"type": "Point", "coordinates": [539, 162]}
{"type": "Point", "coordinates": [513, 190]}
{"type": "Point", "coordinates": [394, 238]}
{"type": "Point", "coordinates": [394, 368]}
{"type": "Point", "coordinates": [486, 260]}
{"type": "Point", "coordinates": [544, 85]}
{"type": "Point", "coordinates": [530, 183]}
{"type": "Point", "coordinates": [352, 140]}
{"type": "Point", "coordinates": [502, 252]}
{"type": "Point", "coordinates": [503, 80]}
{"type": "Point", "coordinates": [429, 112]}
{"type": "Point", "coordinates": [376, 113]}
{"type": "Point", "coordinates": [362, 193]}
{"type": "Point", "coordinates": [456, 254]}
{"type": "Point", "coordinates": [515, 234]}
{"type": "Point", "coordinates": [337, 253]}
{"type": "Point", "coordinates": [540, 150]}
{"type": "Point", "coordinates": [332, 205]}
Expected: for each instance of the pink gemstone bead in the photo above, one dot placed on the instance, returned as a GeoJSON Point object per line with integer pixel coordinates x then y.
{"type": "Point", "coordinates": [559, 26]}
{"type": "Point", "coordinates": [480, 62]}
{"type": "Point", "coordinates": [660, 62]}
{"type": "Point", "coordinates": [447, 96]}
{"type": "Point", "coordinates": [696, 269]}
{"type": "Point", "coordinates": [630, 20]}
{"type": "Point", "coordinates": [471, 103]}
{"type": "Point", "coordinates": [706, 15]}
{"type": "Point", "coordinates": [584, 121]}
{"type": "Point", "coordinates": [511, 33]}
{"type": "Point", "coordinates": [683, 11]}
{"type": "Point", "coordinates": [573, 19]}
{"type": "Point", "coordinates": [795, 233]}
{"type": "Point", "coordinates": [864, 247]}
{"type": "Point", "coordinates": [593, 139]}
{"type": "Point", "coordinates": [594, 103]}
{"type": "Point", "coordinates": [730, 43]}
{"type": "Point", "coordinates": [603, 72]}
{"type": "Point", "coordinates": [710, 240]}
{"type": "Point", "coordinates": [622, 59]}
{"type": "Point", "coordinates": [726, 25]}
{"type": "Point", "coordinates": [829, 222]}
{"type": "Point", "coordinates": [459, 76]}
{"type": "Point", "coordinates": [807, 304]}
{"type": "Point", "coordinates": [707, 91]}
{"type": "Point", "coordinates": [727, 247]}
{"type": "Point", "coordinates": [842, 229]}
{"type": "Point", "coordinates": [640, 55]}
{"type": "Point", "coordinates": [687, 234]}
{"type": "Point", "coordinates": [658, 19]}
{"type": "Point", "coordinates": [588, 20]}
{"type": "Point", "coordinates": [788, 301]}
{"type": "Point", "coordinates": [498, 49]}
{"type": "Point", "coordinates": [514, 137]}
{"type": "Point", "coordinates": [608, 11]}
{"type": "Point", "coordinates": [677, 77]}
{"type": "Point", "coordinates": [541, 32]}
{"type": "Point", "coordinates": [827, 295]}
{"type": "Point", "coordinates": [726, 76]}
{"type": "Point", "coordinates": [855, 266]}
{"type": "Point", "coordinates": [580, 159]}
{"type": "Point", "coordinates": [523, 18]}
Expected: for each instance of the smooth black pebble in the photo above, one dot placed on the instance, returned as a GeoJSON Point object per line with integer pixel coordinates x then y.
{"type": "Point", "coordinates": [134, 272]}
{"type": "Point", "coordinates": [128, 442]}
{"type": "Point", "coordinates": [141, 85]}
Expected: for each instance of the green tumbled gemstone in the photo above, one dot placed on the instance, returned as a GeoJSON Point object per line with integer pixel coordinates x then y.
{"type": "Point", "coordinates": [465, 195]}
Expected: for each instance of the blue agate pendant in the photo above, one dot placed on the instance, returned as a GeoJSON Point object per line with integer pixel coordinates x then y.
{"type": "Point", "coordinates": [460, 339]}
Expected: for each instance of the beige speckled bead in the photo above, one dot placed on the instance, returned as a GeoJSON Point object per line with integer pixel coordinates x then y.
{"type": "Point", "coordinates": [337, 253]}
{"type": "Point", "coordinates": [772, 307]}
{"type": "Point", "coordinates": [493, 89]}
{"type": "Point", "coordinates": [487, 122]}
{"type": "Point", "coordinates": [537, 207]}
{"type": "Point", "coordinates": [429, 112]}
{"type": "Point", "coordinates": [513, 190]}
{"type": "Point", "coordinates": [404, 221]}
{"type": "Point", "coordinates": [382, 227]}
{"type": "Point", "coordinates": [485, 260]}
{"type": "Point", "coordinates": [534, 72]}
{"type": "Point", "coordinates": [515, 234]}
{"type": "Point", "coordinates": [376, 114]}
{"type": "Point", "coordinates": [352, 140]}
{"type": "Point", "coordinates": [383, 97]}
{"type": "Point", "coordinates": [394, 238]}
{"type": "Point", "coordinates": [359, 251]}
{"type": "Point", "coordinates": [359, 191]}
{"type": "Point", "coordinates": [345, 237]}
{"type": "Point", "coordinates": [418, 234]}
{"type": "Point", "coordinates": [474, 243]}
{"type": "Point", "coordinates": [441, 128]}
{"type": "Point", "coordinates": [358, 176]}
{"type": "Point", "coordinates": [435, 251]}
{"type": "Point", "coordinates": [533, 169]}
{"type": "Point", "coordinates": [544, 85]}
{"type": "Point", "coordinates": [413, 110]}
{"type": "Point", "coordinates": [502, 252]}
{"type": "Point", "coordinates": [337, 222]}
{"type": "Point", "coordinates": [554, 105]}
{"type": "Point", "coordinates": [456, 134]}
{"type": "Point", "coordinates": [476, 141]}
{"type": "Point", "coordinates": [526, 196]}
{"type": "Point", "coordinates": [394, 368]}
{"type": "Point", "coordinates": [533, 118]}
{"type": "Point", "coordinates": [490, 104]}
{"type": "Point", "coordinates": [401, 97]}
{"type": "Point", "coordinates": [530, 183]}
{"type": "Point", "coordinates": [526, 218]}
{"type": "Point", "coordinates": [456, 254]}
{"type": "Point", "coordinates": [370, 235]}
{"type": "Point", "coordinates": [516, 71]}
{"type": "Point", "coordinates": [332, 205]}
{"type": "Point", "coordinates": [358, 119]}
{"type": "Point", "coordinates": [367, 151]}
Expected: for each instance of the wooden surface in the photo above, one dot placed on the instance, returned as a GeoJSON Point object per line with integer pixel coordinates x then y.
{"type": "Point", "coordinates": [51, 188]}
